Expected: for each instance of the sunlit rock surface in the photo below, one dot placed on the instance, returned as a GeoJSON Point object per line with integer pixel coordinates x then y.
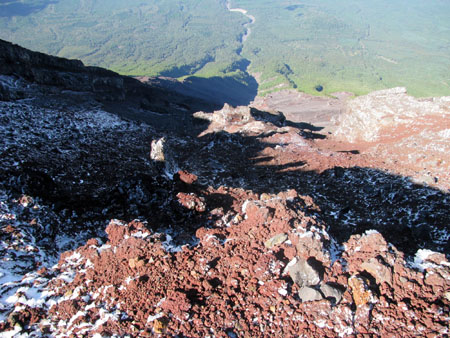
{"type": "Point", "coordinates": [401, 130]}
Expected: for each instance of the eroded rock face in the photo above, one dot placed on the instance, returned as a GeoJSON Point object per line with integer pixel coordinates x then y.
{"type": "Point", "coordinates": [393, 114]}
{"type": "Point", "coordinates": [402, 130]}
{"type": "Point", "coordinates": [242, 119]}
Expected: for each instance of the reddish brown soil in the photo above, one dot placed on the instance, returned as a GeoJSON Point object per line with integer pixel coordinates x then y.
{"type": "Point", "coordinates": [290, 232]}
{"type": "Point", "coordinates": [236, 283]}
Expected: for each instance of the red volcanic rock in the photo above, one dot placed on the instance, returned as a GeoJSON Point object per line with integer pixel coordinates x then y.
{"type": "Point", "coordinates": [310, 244]}
{"type": "Point", "coordinates": [409, 135]}
{"type": "Point", "coordinates": [191, 201]}
{"type": "Point", "coordinates": [283, 250]}
{"type": "Point", "coordinates": [233, 282]}
{"type": "Point", "coordinates": [116, 231]}
{"type": "Point", "coordinates": [389, 113]}
{"type": "Point", "coordinates": [66, 309]}
{"type": "Point", "coordinates": [186, 177]}
{"type": "Point", "coordinates": [372, 254]}
{"type": "Point", "coordinates": [176, 303]}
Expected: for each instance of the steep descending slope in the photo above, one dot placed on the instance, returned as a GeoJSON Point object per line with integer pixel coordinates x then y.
{"type": "Point", "coordinates": [239, 226]}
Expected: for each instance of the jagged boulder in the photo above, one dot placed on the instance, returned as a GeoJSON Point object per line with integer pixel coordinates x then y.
{"type": "Point", "coordinates": [242, 119]}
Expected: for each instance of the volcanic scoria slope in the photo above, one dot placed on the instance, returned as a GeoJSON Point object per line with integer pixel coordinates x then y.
{"type": "Point", "coordinates": [245, 222]}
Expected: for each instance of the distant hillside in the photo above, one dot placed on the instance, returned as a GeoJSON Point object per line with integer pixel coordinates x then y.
{"type": "Point", "coordinates": [318, 47]}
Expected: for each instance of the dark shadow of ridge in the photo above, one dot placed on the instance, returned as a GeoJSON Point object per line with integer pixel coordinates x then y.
{"type": "Point", "coordinates": [351, 200]}
{"type": "Point", "coordinates": [307, 130]}
{"type": "Point", "coordinates": [217, 90]}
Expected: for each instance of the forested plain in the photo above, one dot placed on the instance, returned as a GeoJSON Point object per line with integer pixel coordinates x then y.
{"type": "Point", "coordinates": [315, 46]}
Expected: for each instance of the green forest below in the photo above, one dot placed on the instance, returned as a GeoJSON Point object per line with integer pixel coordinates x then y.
{"type": "Point", "coordinates": [314, 46]}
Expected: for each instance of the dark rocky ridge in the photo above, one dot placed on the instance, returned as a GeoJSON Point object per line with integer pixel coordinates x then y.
{"type": "Point", "coordinates": [262, 204]}
{"type": "Point", "coordinates": [65, 79]}
{"type": "Point", "coordinates": [68, 74]}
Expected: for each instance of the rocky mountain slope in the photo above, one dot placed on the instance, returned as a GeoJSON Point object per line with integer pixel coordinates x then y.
{"type": "Point", "coordinates": [246, 222]}
{"type": "Point", "coordinates": [405, 131]}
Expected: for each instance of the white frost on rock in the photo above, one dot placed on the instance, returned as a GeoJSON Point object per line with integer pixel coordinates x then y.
{"type": "Point", "coordinates": [421, 260]}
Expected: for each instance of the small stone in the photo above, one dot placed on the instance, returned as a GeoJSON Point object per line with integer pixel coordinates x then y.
{"type": "Point", "coordinates": [9, 229]}
{"type": "Point", "coordinates": [447, 295]}
{"type": "Point", "coordinates": [136, 263]}
{"type": "Point", "coordinates": [276, 240]}
{"type": "Point", "coordinates": [160, 325]}
{"type": "Point", "coordinates": [361, 293]}
{"type": "Point", "coordinates": [331, 292]}
{"type": "Point", "coordinates": [43, 271]}
{"type": "Point", "coordinates": [45, 329]}
{"type": "Point", "coordinates": [187, 177]}
{"type": "Point", "coordinates": [157, 150]}
{"type": "Point", "coordinates": [238, 326]}
{"type": "Point", "coordinates": [13, 320]}
{"type": "Point", "coordinates": [25, 201]}
{"type": "Point", "coordinates": [264, 197]}
{"type": "Point", "coordinates": [403, 279]}
{"type": "Point", "coordinates": [302, 273]}
{"type": "Point", "coordinates": [309, 294]}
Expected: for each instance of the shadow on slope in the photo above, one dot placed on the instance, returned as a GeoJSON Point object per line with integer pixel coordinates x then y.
{"type": "Point", "coordinates": [236, 91]}
{"type": "Point", "coordinates": [351, 200]}
{"type": "Point", "coordinates": [307, 130]}
{"type": "Point", "coordinates": [119, 181]}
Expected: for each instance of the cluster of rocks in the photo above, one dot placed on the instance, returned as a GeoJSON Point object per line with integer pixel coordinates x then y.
{"type": "Point", "coordinates": [262, 267]}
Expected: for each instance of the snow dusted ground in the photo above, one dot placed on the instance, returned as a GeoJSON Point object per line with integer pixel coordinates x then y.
{"type": "Point", "coordinates": [46, 155]}
{"type": "Point", "coordinates": [29, 250]}
{"type": "Point", "coordinates": [67, 170]}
